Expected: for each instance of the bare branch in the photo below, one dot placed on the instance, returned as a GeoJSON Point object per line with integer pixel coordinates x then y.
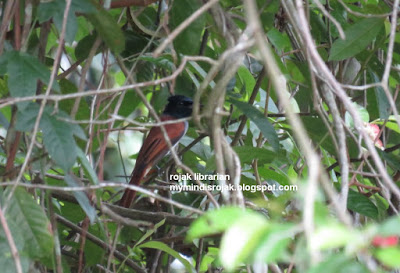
{"type": "Point", "coordinates": [362, 14]}
{"type": "Point", "coordinates": [331, 18]}
{"type": "Point", "coordinates": [11, 243]}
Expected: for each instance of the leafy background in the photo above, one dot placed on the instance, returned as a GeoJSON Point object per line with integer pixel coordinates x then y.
{"type": "Point", "coordinates": [301, 94]}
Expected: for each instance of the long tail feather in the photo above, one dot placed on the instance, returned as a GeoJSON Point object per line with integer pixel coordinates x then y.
{"type": "Point", "coordinates": [129, 195]}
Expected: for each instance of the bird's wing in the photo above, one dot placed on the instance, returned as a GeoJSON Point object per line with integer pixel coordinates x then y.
{"type": "Point", "coordinates": [155, 147]}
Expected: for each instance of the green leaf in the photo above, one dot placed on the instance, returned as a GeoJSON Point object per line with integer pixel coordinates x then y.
{"type": "Point", "coordinates": [67, 87]}
{"type": "Point", "coordinates": [82, 198]}
{"type": "Point", "coordinates": [331, 235]}
{"type": "Point", "coordinates": [164, 61]}
{"type": "Point", "coordinates": [279, 40]}
{"type": "Point", "coordinates": [392, 160]}
{"type": "Point", "coordinates": [55, 10]}
{"type": "Point", "coordinates": [50, 9]}
{"type": "Point", "coordinates": [26, 118]}
{"type": "Point", "coordinates": [108, 30]}
{"type": "Point", "coordinates": [390, 227]}
{"type": "Point", "coordinates": [364, 115]}
{"type": "Point", "coordinates": [7, 263]}
{"type": "Point", "coordinates": [4, 121]}
{"type": "Point", "coordinates": [23, 72]}
{"type": "Point", "coordinates": [358, 37]}
{"type": "Point", "coordinates": [94, 254]}
{"type": "Point", "coordinates": [58, 140]}
{"type": "Point", "coordinates": [391, 124]}
{"type": "Point", "coordinates": [208, 259]}
{"type": "Point", "coordinates": [318, 26]}
{"type": "Point", "coordinates": [84, 46]}
{"type": "Point", "coordinates": [273, 244]}
{"type": "Point", "coordinates": [361, 204]}
{"type": "Point", "coordinates": [261, 121]}
{"type": "Point", "coordinates": [150, 232]}
{"type": "Point", "coordinates": [135, 43]}
{"type": "Point", "coordinates": [214, 222]}
{"type": "Point", "coordinates": [163, 247]}
{"type": "Point", "coordinates": [248, 154]}
{"type": "Point", "coordinates": [146, 72]}
{"type": "Point", "coordinates": [82, 6]}
{"type": "Point", "coordinates": [90, 173]}
{"type": "Point", "coordinates": [241, 238]}
{"type": "Point", "coordinates": [246, 79]}
{"type": "Point", "coordinates": [202, 150]}
{"type": "Point", "coordinates": [199, 70]}
{"type": "Point", "coordinates": [389, 256]}
{"type": "Point", "coordinates": [76, 129]}
{"type": "Point", "coordinates": [377, 99]}
{"type": "Point", "coordinates": [275, 174]}
{"type": "Point", "coordinates": [130, 102]}
{"type": "Point", "coordinates": [338, 263]}
{"type": "Point", "coordinates": [4, 61]}
{"type": "Point", "coordinates": [188, 41]}
{"type": "Point", "coordinates": [4, 86]}
{"type": "Point", "coordinates": [383, 103]}
{"type": "Point", "coordinates": [34, 226]}
{"type": "Point", "coordinates": [318, 132]}
{"type": "Point", "coordinates": [58, 136]}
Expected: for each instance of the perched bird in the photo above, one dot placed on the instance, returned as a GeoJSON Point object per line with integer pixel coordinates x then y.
{"type": "Point", "coordinates": [154, 146]}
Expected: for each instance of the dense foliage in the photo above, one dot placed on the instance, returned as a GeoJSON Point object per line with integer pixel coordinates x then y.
{"type": "Point", "coordinates": [299, 110]}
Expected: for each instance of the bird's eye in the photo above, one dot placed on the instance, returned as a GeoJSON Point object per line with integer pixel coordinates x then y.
{"type": "Point", "coordinates": [180, 103]}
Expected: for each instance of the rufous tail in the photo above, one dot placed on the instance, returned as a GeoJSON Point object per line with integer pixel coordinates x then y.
{"type": "Point", "coordinates": [129, 195]}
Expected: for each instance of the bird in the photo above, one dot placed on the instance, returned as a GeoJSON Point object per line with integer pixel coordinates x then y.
{"type": "Point", "coordinates": [154, 146]}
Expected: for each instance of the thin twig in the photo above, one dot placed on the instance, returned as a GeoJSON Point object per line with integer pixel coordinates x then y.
{"type": "Point", "coordinates": [251, 101]}
{"type": "Point", "coordinates": [389, 59]}
{"type": "Point", "coordinates": [121, 257]}
{"type": "Point", "coordinates": [361, 87]}
{"type": "Point", "coordinates": [11, 242]}
{"type": "Point", "coordinates": [182, 26]}
{"type": "Point", "coordinates": [105, 185]}
{"type": "Point", "coordinates": [342, 145]}
{"type": "Point", "coordinates": [7, 13]}
{"type": "Point", "coordinates": [331, 18]}
{"type": "Point", "coordinates": [362, 14]}
{"type": "Point", "coordinates": [84, 71]}
{"type": "Point", "coordinates": [57, 247]}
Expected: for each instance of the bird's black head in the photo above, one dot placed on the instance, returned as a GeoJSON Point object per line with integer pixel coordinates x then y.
{"type": "Point", "coordinates": [179, 106]}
